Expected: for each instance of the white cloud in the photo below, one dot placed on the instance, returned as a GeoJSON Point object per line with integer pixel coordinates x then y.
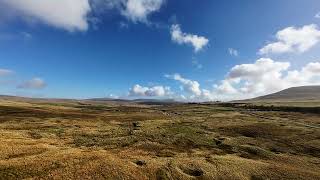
{"type": "Point", "coordinates": [70, 15]}
{"type": "Point", "coordinates": [35, 83]}
{"type": "Point", "coordinates": [313, 67]}
{"type": "Point", "coordinates": [317, 15]}
{"type": "Point", "coordinates": [139, 10]}
{"type": "Point", "coordinates": [265, 76]}
{"type": "Point", "coordinates": [76, 15]}
{"type": "Point", "coordinates": [5, 72]}
{"type": "Point", "coordinates": [233, 52]}
{"type": "Point", "coordinates": [250, 80]}
{"type": "Point", "coordinates": [226, 87]}
{"type": "Point", "coordinates": [262, 77]}
{"type": "Point", "coordinates": [191, 90]}
{"type": "Point", "coordinates": [155, 91]}
{"type": "Point", "coordinates": [308, 75]}
{"type": "Point", "coordinates": [293, 39]}
{"type": "Point", "coordinates": [198, 42]}
{"type": "Point", "coordinates": [256, 70]}
{"type": "Point", "coordinates": [192, 87]}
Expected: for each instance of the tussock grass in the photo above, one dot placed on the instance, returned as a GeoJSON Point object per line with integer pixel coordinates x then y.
{"type": "Point", "coordinates": [96, 140]}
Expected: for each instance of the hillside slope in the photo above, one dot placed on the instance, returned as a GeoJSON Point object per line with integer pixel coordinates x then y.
{"type": "Point", "coordinates": [302, 93]}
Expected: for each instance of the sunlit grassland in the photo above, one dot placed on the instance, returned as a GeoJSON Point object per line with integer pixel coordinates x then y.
{"type": "Point", "coordinates": [77, 140]}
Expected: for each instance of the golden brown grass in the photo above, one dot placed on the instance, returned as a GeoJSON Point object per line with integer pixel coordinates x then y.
{"type": "Point", "coordinates": [89, 140]}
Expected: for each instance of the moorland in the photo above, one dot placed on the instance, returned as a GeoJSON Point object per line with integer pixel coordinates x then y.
{"type": "Point", "coordinates": [118, 139]}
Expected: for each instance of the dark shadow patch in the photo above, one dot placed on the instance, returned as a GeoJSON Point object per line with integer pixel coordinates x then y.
{"type": "Point", "coordinates": [140, 162]}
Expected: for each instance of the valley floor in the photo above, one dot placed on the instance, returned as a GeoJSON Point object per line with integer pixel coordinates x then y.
{"type": "Point", "coordinates": [90, 140]}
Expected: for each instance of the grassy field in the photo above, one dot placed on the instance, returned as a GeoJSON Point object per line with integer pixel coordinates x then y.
{"type": "Point", "coordinates": [95, 140]}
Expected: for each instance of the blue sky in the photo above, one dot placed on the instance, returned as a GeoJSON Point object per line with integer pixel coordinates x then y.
{"type": "Point", "coordinates": [187, 50]}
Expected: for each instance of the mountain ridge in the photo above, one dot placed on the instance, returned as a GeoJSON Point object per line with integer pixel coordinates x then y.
{"type": "Point", "coordinates": [300, 93]}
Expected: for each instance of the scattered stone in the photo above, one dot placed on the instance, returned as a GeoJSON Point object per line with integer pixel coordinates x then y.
{"type": "Point", "coordinates": [141, 162]}
{"type": "Point", "coordinates": [195, 172]}
{"type": "Point", "coordinates": [135, 124]}
{"type": "Point", "coordinates": [218, 140]}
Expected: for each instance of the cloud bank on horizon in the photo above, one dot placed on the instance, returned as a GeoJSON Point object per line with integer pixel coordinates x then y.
{"type": "Point", "coordinates": [154, 91]}
{"type": "Point", "coordinates": [265, 75]}
{"type": "Point", "coordinates": [250, 80]}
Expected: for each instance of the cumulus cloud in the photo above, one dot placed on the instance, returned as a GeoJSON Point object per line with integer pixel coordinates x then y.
{"type": "Point", "coordinates": [243, 81]}
{"type": "Point", "coordinates": [258, 69]}
{"type": "Point", "coordinates": [35, 83]}
{"type": "Point", "coordinates": [293, 39]}
{"type": "Point", "coordinates": [76, 15]}
{"type": "Point", "coordinates": [308, 75]}
{"type": "Point", "coordinates": [5, 72]}
{"type": "Point", "coordinates": [233, 52]}
{"type": "Point", "coordinates": [71, 15]}
{"type": "Point", "coordinates": [198, 42]}
{"type": "Point", "coordinates": [155, 91]}
{"type": "Point", "coordinates": [226, 87]}
{"type": "Point", "coordinates": [262, 77]}
{"type": "Point", "coordinates": [139, 10]}
{"type": "Point", "coordinates": [266, 76]}
{"type": "Point", "coordinates": [317, 15]}
{"type": "Point", "coordinates": [192, 87]}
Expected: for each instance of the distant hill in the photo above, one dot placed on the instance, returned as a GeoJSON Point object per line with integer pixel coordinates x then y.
{"type": "Point", "coordinates": [302, 93]}
{"type": "Point", "coordinates": [155, 101]}
{"type": "Point", "coordinates": [93, 100]}
{"type": "Point", "coordinates": [138, 101]}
